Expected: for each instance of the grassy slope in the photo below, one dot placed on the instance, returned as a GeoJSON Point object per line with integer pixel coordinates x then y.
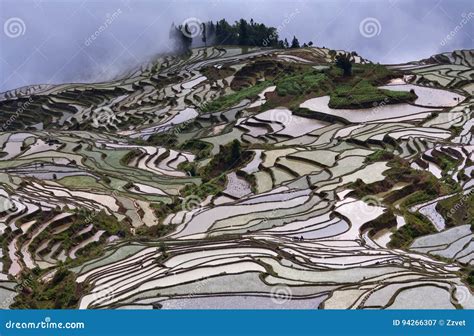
{"type": "Point", "coordinates": [364, 95]}
{"type": "Point", "coordinates": [458, 210]}
{"type": "Point", "coordinates": [229, 100]}
{"type": "Point", "coordinates": [294, 84]}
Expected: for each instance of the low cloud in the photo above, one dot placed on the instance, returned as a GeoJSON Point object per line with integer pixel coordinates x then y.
{"type": "Point", "coordinates": [56, 44]}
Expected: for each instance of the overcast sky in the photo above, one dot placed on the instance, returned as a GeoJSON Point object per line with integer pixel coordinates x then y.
{"type": "Point", "coordinates": [47, 41]}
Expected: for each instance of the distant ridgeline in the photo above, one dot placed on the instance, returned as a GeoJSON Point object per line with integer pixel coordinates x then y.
{"type": "Point", "coordinates": [196, 33]}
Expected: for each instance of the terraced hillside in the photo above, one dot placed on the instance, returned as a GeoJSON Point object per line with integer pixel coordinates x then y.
{"type": "Point", "coordinates": [242, 178]}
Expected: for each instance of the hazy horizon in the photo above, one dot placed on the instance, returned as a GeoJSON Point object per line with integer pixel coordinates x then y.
{"type": "Point", "coordinates": [45, 42]}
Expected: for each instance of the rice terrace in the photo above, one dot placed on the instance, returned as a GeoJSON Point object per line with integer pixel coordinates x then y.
{"type": "Point", "coordinates": [236, 174]}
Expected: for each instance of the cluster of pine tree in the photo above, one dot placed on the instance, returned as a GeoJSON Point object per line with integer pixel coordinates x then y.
{"type": "Point", "coordinates": [240, 33]}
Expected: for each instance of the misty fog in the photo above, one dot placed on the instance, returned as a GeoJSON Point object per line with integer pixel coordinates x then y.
{"type": "Point", "coordinates": [52, 41]}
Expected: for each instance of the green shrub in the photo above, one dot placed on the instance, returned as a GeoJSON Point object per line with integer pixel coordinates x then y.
{"type": "Point", "coordinates": [229, 100]}
{"type": "Point", "coordinates": [200, 148]}
{"type": "Point", "coordinates": [129, 156]}
{"type": "Point", "coordinates": [416, 226]}
{"type": "Point", "coordinates": [167, 139]}
{"type": "Point", "coordinates": [229, 157]}
{"type": "Point", "coordinates": [61, 292]}
{"type": "Point", "coordinates": [457, 210]}
{"type": "Point", "coordinates": [365, 95]}
{"type": "Point", "coordinates": [379, 155]}
{"type": "Point", "coordinates": [301, 83]}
